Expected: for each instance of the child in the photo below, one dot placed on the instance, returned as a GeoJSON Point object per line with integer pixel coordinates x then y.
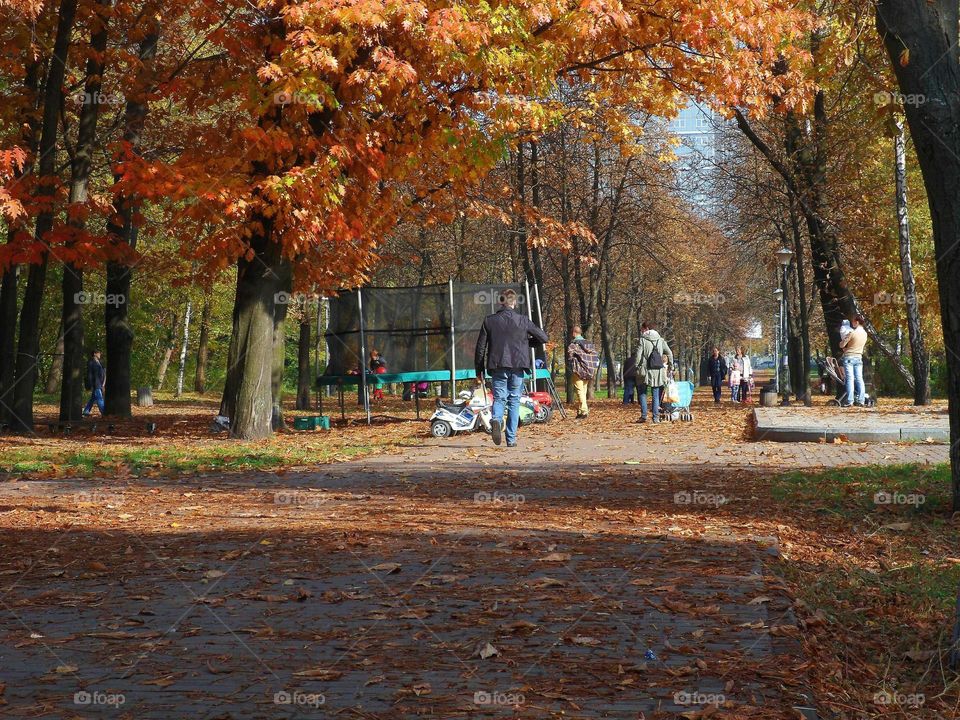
{"type": "Point", "coordinates": [845, 329]}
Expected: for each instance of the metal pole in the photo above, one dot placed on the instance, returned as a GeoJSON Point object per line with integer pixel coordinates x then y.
{"type": "Point", "coordinates": [453, 347]}
{"type": "Point", "coordinates": [785, 337]}
{"type": "Point", "coordinates": [776, 354]}
{"type": "Point", "coordinates": [363, 356]}
{"type": "Point", "coordinates": [536, 293]}
{"type": "Point", "coordinates": [533, 353]}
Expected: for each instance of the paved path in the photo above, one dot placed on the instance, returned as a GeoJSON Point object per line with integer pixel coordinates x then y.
{"type": "Point", "coordinates": [800, 424]}
{"type": "Point", "coordinates": [589, 574]}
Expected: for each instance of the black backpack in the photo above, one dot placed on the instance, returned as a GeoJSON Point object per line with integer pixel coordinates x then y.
{"type": "Point", "coordinates": [655, 359]}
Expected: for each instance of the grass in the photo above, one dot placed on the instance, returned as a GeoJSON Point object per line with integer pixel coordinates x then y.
{"type": "Point", "coordinates": [172, 458]}
{"type": "Point", "coordinates": [852, 491]}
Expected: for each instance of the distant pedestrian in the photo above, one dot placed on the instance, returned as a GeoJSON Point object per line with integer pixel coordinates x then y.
{"type": "Point", "coordinates": [584, 361]}
{"type": "Point", "coordinates": [746, 376]}
{"type": "Point", "coordinates": [852, 346]}
{"type": "Point", "coordinates": [654, 357]}
{"type": "Point", "coordinates": [503, 347]}
{"type": "Point", "coordinates": [717, 366]}
{"type": "Point", "coordinates": [94, 382]}
{"type": "Point", "coordinates": [630, 378]}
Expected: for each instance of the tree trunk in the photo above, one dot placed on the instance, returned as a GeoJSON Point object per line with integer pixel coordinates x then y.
{"type": "Point", "coordinates": [28, 346]}
{"type": "Point", "coordinates": [932, 72]}
{"type": "Point", "coordinates": [183, 348]}
{"type": "Point", "coordinates": [168, 351]}
{"type": "Point", "coordinates": [918, 350]}
{"type": "Point", "coordinates": [249, 391]}
{"type": "Point", "coordinates": [304, 383]}
{"type": "Point", "coordinates": [200, 379]}
{"type": "Point", "coordinates": [11, 275]}
{"type": "Point", "coordinates": [71, 388]}
{"type": "Point", "coordinates": [122, 233]}
{"type": "Point", "coordinates": [56, 365]}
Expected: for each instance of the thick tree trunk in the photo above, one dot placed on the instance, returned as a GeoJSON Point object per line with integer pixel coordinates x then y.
{"type": "Point", "coordinates": [251, 377]}
{"type": "Point", "coordinates": [28, 346]}
{"type": "Point", "coordinates": [55, 372]}
{"type": "Point", "coordinates": [203, 349]}
{"type": "Point", "coordinates": [9, 284]}
{"type": "Point", "coordinates": [123, 238]}
{"type": "Point", "coordinates": [918, 350]}
{"type": "Point", "coordinates": [71, 388]}
{"type": "Point", "coordinates": [304, 383]}
{"type": "Point", "coordinates": [183, 348]}
{"type": "Point", "coordinates": [932, 72]}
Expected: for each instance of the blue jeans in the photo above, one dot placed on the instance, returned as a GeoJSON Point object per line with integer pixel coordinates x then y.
{"type": "Point", "coordinates": [656, 403]}
{"type": "Point", "coordinates": [629, 390]}
{"type": "Point", "coordinates": [853, 376]}
{"type": "Point", "coordinates": [95, 397]}
{"type": "Point", "coordinates": [507, 384]}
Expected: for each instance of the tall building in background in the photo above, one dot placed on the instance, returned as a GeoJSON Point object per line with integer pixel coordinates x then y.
{"type": "Point", "coordinates": [696, 129]}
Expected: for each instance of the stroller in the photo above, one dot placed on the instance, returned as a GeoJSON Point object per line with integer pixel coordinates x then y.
{"type": "Point", "coordinates": [830, 366]}
{"type": "Point", "coordinates": [679, 410]}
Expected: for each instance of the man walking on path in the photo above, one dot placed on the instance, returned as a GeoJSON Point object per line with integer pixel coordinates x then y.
{"type": "Point", "coordinates": [630, 378]}
{"type": "Point", "coordinates": [584, 361]}
{"type": "Point", "coordinates": [650, 364]}
{"type": "Point", "coordinates": [503, 347]}
{"type": "Point", "coordinates": [96, 377]}
{"type": "Point", "coordinates": [718, 371]}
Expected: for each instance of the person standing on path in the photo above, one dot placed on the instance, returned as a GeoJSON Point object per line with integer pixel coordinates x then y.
{"type": "Point", "coordinates": [95, 379]}
{"type": "Point", "coordinates": [652, 367]}
{"type": "Point", "coordinates": [503, 348]}
{"type": "Point", "coordinates": [584, 361]}
{"type": "Point", "coordinates": [717, 366]}
{"type": "Point", "coordinates": [746, 375]}
{"type": "Point", "coordinates": [852, 346]}
{"type": "Point", "coordinates": [630, 378]}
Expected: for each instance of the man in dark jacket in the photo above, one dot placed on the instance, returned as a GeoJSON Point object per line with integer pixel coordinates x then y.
{"type": "Point", "coordinates": [96, 376]}
{"type": "Point", "coordinates": [718, 371]}
{"type": "Point", "coordinates": [503, 348]}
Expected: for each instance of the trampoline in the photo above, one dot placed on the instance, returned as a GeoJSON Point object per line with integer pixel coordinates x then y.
{"type": "Point", "coordinates": [426, 333]}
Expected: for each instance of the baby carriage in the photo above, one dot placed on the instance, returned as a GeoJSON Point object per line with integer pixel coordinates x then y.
{"type": "Point", "coordinates": [830, 366]}
{"type": "Point", "coordinates": [677, 407]}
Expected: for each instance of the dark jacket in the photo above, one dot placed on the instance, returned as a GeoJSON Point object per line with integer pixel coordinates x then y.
{"type": "Point", "coordinates": [718, 366]}
{"type": "Point", "coordinates": [630, 367]}
{"type": "Point", "coordinates": [505, 341]}
{"type": "Point", "coordinates": [95, 374]}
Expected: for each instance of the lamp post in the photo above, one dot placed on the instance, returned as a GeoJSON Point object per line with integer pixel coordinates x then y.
{"type": "Point", "coordinates": [778, 294]}
{"type": "Point", "coordinates": [784, 257]}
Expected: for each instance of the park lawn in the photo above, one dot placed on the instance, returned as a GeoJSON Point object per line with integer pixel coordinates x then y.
{"type": "Point", "coordinates": [182, 442]}
{"type": "Point", "coordinates": [876, 581]}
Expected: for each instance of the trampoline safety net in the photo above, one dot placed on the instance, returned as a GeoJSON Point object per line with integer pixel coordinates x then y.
{"type": "Point", "coordinates": [411, 327]}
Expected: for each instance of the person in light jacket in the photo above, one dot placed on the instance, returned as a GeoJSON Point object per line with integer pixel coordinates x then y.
{"type": "Point", "coordinates": [651, 367]}
{"type": "Point", "coordinates": [852, 346]}
{"type": "Point", "coordinates": [746, 374]}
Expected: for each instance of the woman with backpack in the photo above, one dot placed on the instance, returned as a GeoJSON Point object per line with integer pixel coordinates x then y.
{"type": "Point", "coordinates": [651, 366]}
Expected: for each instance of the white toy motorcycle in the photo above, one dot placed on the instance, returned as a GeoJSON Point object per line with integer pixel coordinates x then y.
{"type": "Point", "coordinates": [471, 412]}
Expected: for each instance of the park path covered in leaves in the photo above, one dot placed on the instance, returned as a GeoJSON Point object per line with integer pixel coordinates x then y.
{"type": "Point", "coordinates": [602, 570]}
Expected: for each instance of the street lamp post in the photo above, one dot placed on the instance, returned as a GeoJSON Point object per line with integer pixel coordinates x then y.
{"type": "Point", "coordinates": [778, 294]}
{"type": "Point", "coordinates": [784, 256]}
